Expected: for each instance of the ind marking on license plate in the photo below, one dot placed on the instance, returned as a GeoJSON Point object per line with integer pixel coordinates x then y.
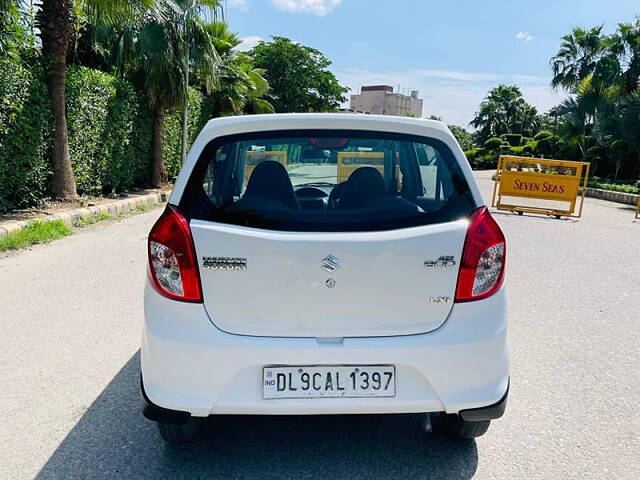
{"type": "Point", "coordinates": [320, 381]}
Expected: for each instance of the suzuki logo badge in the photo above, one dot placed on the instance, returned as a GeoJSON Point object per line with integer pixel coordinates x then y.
{"type": "Point", "coordinates": [330, 264]}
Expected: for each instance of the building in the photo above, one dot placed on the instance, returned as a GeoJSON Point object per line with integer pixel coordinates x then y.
{"type": "Point", "coordinates": [380, 99]}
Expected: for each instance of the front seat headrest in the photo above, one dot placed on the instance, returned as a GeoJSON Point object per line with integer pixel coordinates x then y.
{"type": "Point", "coordinates": [364, 185]}
{"type": "Point", "coordinates": [270, 179]}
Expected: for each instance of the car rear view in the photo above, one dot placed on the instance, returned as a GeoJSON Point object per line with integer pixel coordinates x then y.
{"type": "Point", "coordinates": [325, 264]}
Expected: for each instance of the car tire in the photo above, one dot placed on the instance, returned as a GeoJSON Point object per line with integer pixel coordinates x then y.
{"type": "Point", "coordinates": [455, 426]}
{"type": "Point", "coordinates": [176, 434]}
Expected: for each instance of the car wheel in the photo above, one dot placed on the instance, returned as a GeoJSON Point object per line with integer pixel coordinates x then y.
{"type": "Point", "coordinates": [176, 434]}
{"type": "Point", "coordinates": [455, 426]}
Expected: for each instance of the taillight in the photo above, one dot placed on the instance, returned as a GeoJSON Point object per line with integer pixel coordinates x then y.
{"type": "Point", "coordinates": [483, 258]}
{"type": "Point", "coordinates": [172, 258]}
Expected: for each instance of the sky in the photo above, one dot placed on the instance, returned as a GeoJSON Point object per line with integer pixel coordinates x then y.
{"type": "Point", "coordinates": [452, 51]}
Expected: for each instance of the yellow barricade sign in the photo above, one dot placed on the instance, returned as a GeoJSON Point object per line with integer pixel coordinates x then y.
{"type": "Point", "coordinates": [349, 162]}
{"type": "Point", "coordinates": [252, 159]}
{"type": "Point", "coordinates": [638, 207]}
{"type": "Point", "coordinates": [540, 185]}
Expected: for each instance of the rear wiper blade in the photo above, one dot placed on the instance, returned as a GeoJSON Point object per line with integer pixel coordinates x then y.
{"type": "Point", "coordinates": [316, 184]}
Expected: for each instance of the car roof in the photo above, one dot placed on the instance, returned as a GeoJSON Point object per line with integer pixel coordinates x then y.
{"type": "Point", "coordinates": [281, 121]}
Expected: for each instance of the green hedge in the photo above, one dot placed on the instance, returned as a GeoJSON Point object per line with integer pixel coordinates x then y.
{"type": "Point", "coordinates": [625, 186]}
{"type": "Point", "coordinates": [110, 133]}
{"type": "Point", "coordinates": [173, 132]}
{"type": "Point", "coordinates": [25, 134]}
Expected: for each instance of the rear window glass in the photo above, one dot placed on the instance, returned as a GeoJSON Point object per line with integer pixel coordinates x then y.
{"type": "Point", "coordinates": [327, 181]}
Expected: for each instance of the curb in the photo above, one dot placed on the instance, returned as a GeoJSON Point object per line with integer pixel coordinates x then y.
{"type": "Point", "coordinates": [611, 196]}
{"type": "Point", "coordinates": [112, 208]}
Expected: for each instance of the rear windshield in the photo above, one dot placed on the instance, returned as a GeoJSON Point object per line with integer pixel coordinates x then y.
{"type": "Point", "coordinates": [327, 181]}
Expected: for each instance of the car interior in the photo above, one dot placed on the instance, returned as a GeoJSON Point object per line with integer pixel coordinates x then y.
{"type": "Point", "coordinates": [298, 179]}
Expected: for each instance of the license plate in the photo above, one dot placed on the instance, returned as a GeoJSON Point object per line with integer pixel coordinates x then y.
{"type": "Point", "coordinates": [340, 381]}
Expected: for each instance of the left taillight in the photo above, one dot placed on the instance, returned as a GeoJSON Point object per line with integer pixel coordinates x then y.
{"type": "Point", "coordinates": [173, 266]}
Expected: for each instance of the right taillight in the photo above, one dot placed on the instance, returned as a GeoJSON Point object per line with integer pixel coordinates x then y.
{"type": "Point", "coordinates": [483, 258]}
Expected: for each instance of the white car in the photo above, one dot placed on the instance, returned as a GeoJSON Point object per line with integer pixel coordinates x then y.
{"type": "Point", "coordinates": [274, 288]}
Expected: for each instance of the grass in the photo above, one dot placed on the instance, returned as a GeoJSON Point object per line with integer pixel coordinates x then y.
{"type": "Point", "coordinates": [41, 231]}
{"type": "Point", "coordinates": [143, 208]}
{"type": "Point", "coordinates": [37, 231]}
{"type": "Point", "coordinates": [85, 222]}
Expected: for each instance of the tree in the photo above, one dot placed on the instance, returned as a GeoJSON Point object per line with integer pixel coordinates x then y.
{"type": "Point", "coordinates": [625, 45]}
{"type": "Point", "coordinates": [618, 125]}
{"type": "Point", "coordinates": [577, 57]}
{"type": "Point", "coordinates": [242, 88]}
{"type": "Point", "coordinates": [298, 75]}
{"type": "Point", "coordinates": [54, 21]}
{"type": "Point", "coordinates": [149, 50]}
{"type": "Point", "coordinates": [465, 139]}
{"type": "Point", "coordinates": [8, 23]}
{"type": "Point", "coordinates": [504, 110]}
{"type": "Point", "coordinates": [601, 73]}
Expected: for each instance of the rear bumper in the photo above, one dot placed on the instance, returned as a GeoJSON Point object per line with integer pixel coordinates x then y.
{"type": "Point", "coordinates": [190, 366]}
{"type": "Point", "coordinates": [160, 414]}
{"type": "Point", "coordinates": [490, 412]}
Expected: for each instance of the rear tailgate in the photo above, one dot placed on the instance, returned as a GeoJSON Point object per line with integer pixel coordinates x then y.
{"type": "Point", "coordinates": [381, 285]}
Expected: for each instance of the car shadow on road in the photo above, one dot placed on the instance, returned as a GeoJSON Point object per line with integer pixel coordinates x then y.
{"type": "Point", "coordinates": [113, 440]}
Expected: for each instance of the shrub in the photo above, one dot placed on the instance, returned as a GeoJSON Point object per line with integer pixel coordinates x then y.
{"type": "Point", "coordinates": [87, 101]}
{"type": "Point", "coordinates": [629, 186]}
{"type": "Point", "coordinates": [110, 133]}
{"type": "Point", "coordinates": [485, 162]}
{"type": "Point", "coordinates": [528, 149]}
{"type": "Point", "coordinates": [513, 139]}
{"type": "Point", "coordinates": [547, 145]}
{"type": "Point", "coordinates": [542, 134]}
{"type": "Point", "coordinates": [565, 151]}
{"type": "Point", "coordinates": [25, 135]}
{"type": "Point", "coordinates": [173, 132]}
{"type": "Point", "coordinates": [472, 153]}
{"type": "Point", "coordinates": [493, 143]}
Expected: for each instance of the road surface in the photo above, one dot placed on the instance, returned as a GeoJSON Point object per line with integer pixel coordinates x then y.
{"type": "Point", "coordinates": [70, 318]}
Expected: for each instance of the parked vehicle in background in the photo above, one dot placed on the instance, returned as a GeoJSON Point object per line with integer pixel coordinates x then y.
{"type": "Point", "coordinates": [286, 290]}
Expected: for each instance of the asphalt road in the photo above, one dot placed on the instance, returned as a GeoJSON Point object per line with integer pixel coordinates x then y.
{"type": "Point", "coordinates": [70, 321]}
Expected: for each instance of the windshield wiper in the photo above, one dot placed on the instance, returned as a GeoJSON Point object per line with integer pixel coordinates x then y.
{"type": "Point", "coordinates": [316, 184]}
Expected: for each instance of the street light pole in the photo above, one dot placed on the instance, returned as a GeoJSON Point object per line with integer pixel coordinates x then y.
{"type": "Point", "coordinates": [185, 112]}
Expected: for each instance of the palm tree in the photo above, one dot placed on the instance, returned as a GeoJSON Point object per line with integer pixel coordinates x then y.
{"type": "Point", "coordinates": [625, 45]}
{"type": "Point", "coordinates": [150, 52]}
{"type": "Point", "coordinates": [503, 110]}
{"type": "Point", "coordinates": [242, 87]}
{"type": "Point", "coordinates": [54, 21]}
{"type": "Point", "coordinates": [486, 119]}
{"type": "Point", "coordinates": [577, 58]}
{"type": "Point", "coordinates": [530, 121]}
{"type": "Point", "coordinates": [580, 111]}
{"type": "Point", "coordinates": [619, 122]}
